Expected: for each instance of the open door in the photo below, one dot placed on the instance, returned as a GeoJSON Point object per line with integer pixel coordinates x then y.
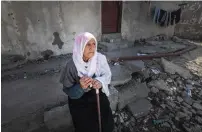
{"type": "Point", "coordinates": [111, 16]}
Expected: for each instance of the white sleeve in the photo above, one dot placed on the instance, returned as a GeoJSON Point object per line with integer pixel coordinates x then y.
{"type": "Point", "coordinates": [105, 75]}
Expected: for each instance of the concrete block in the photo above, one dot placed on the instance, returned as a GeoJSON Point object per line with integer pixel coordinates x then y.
{"type": "Point", "coordinates": [135, 66]}
{"type": "Point", "coordinates": [120, 75]}
{"type": "Point", "coordinates": [58, 118]}
{"type": "Point", "coordinates": [197, 106]}
{"type": "Point", "coordinates": [140, 107]}
{"type": "Point", "coordinates": [114, 45]}
{"type": "Point", "coordinates": [113, 98]}
{"type": "Point", "coordinates": [131, 92]}
{"type": "Point", "coordinates": [141, 90]}
{"type": "Point", "coordinates": [160, 84]}
{"type": "Point", "coordinates": [106, 47]}
{"type": "Point", "coordinates": [172, 68]}
{"type": "Point", "coordinates": [108, 37]}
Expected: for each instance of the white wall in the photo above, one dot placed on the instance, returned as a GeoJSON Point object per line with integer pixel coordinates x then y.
{"type": "Point", "coordinates": [29, 26]}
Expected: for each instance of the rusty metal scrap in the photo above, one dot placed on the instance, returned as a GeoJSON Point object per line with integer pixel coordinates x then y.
{"type": "Point", "coordinates": [159, 55]}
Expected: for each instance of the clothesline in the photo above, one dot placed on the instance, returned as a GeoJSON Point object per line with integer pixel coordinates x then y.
{"type": "Point", "coordinates": [166, 18]}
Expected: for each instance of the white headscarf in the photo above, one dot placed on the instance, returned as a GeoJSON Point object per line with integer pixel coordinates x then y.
{"type": "Point", "coordinates": [79, 46]}
{"type": "Point", "coordinates": [97, 65]}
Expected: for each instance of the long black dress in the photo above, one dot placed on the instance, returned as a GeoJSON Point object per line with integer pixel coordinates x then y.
{"type": "Point", "coordinates": [84, 110]}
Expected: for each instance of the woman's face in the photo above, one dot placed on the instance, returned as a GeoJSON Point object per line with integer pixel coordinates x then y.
{"type": "Point", "coordinates": [89, 50]}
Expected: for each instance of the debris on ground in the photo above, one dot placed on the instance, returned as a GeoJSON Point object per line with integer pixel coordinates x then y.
{"type": "Point", "coordinates": [176, 98]}
{"type": "Point", "coordinates": [158, 95]}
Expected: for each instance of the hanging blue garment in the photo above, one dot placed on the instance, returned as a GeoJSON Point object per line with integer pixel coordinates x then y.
{"type": "Point", "coordinates": [158, 14]}
{"type": "Point", "coordinates": [175, 16]}
{"type": "Point", "coordinates": [167, 15]}
{"type": "Point", "coordinates": [155, 14]}
{"type": "Point", "coordinates": [170, 19]}
{"type": "Point", "coordinates": [163, 18]}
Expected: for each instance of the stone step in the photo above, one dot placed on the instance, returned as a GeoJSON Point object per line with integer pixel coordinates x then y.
{"type": "Point", "coordinates": [107, 46]}
{"type": "Point", "coordinates": [113, 37]}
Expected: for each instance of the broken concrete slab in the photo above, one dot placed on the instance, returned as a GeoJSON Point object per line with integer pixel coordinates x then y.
{"type": "Point", "coordinates": [179, 99]}
{"type": "Point", "coordinates": [160, 84]}
{"type": "Point", "coordinates": [127, 94]}
{"type": "Point", "coordinates": [198, 119]}
{"type": "Point", "coordinates": [197, 106]}
{"type": "Point", "coordinates": [172, 68]}
{"type": "Point", "coordinates": [113, 98]}
{"type": "Point", "coordinates": [58, 118]}
{"type": "Point", "coordinates": [106, 47]}
{"type": "Point", "coordinates": [181, 115]}
{"type": "Point", "coordinates": [154, 90]}
{"type": "Point", "coordinates": [142, 90]}
{"type": "Point", "coordinates": [123, 52]}
{"type": "Point", "coordinates": [140, 107]}
{"type": "Point", "coordinates": [131, 92]}
{"type": "Point", "coordinates": [148, 51]}
{"type": "Point", "coordinates": [114, 46]}
{"type": "Point", "coordinates": [109, 37]}
{"type": "Point", "coordinates": [135, 66]}
{"type": "Point", "coordinates": [191, 60]}
{"type": "Point", "coordinates": [120, 75]}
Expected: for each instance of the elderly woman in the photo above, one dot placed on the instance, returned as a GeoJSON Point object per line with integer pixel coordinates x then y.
{"type": "Point", "coordinates": [87, 71]}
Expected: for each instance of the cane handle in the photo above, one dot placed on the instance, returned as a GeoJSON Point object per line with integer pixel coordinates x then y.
{"type": "Point", "coordinates": [97, 91]}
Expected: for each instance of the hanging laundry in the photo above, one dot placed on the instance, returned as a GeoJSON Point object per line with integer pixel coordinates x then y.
{"type": "Point", "coordinates": [175, 16]}
{"type": "Point", "coordinates": [165, 18]}
{"type": "Point", "coordinates": [160, 17]}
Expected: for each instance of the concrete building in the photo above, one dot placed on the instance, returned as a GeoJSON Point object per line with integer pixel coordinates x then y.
{"type": "Point", "coordinates": [32, 29]}
{"type": "Point", "coordinates": [190, 26]}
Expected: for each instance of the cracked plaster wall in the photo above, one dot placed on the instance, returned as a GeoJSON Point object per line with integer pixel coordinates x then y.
{"type": "Point", "coordinates": [30, 28]}
{"type": "Point", "coordinates": [137, 22]}
{"type": "Point", "coordinates": [190, 26]}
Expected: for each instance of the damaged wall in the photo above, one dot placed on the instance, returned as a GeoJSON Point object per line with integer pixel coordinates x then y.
{"type": "Point", "coordinates": [32, 29]}
{"type": "Point", "coordinates": [190, 26]}
{"type": "Point", "coordinates": [137, 20]}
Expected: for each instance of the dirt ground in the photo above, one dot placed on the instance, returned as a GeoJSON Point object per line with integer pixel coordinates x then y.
{"type": "Point", "coordinates": [32, 88]}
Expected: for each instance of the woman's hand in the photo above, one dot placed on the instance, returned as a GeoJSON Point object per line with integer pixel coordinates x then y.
{"type": "Point", "coordinates": [85, 82]}
{"type": "Point", "coordinates": [96, 84]}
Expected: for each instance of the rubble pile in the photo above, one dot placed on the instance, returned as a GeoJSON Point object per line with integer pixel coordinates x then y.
{"type": "Point", "coordinates": [158, 95]}
{"type": "Point", "coordinates": [176, 98]}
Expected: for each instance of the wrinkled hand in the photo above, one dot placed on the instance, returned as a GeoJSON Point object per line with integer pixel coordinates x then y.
{"type": "Point", "coordinates": [96, 84]}
{"type": "Point", "coordinates": [85, 82]}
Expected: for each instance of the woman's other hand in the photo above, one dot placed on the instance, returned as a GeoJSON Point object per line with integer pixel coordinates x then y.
{"type": "Point", "coordinates": [96, 84]}
{"type": "Point", "coordinates": [85, 82]}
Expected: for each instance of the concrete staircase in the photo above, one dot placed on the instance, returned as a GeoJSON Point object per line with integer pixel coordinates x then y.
{"type": "Point", "coordinates": [112, 42]}
{"type": "Point", "coordinates": [110, 38]}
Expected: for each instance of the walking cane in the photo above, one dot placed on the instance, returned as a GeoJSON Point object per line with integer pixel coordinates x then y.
{"type": "Point", "coordinates": [98, 108]}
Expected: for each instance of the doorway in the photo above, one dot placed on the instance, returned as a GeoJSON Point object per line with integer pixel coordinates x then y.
{"type": "Point", "coordinates": [111, 16]}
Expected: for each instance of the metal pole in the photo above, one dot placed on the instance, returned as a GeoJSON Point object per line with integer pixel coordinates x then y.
{"type": "Point", "coordinates": [98, 108]}
{"type": "Point", "coordinates": [159, 55]}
